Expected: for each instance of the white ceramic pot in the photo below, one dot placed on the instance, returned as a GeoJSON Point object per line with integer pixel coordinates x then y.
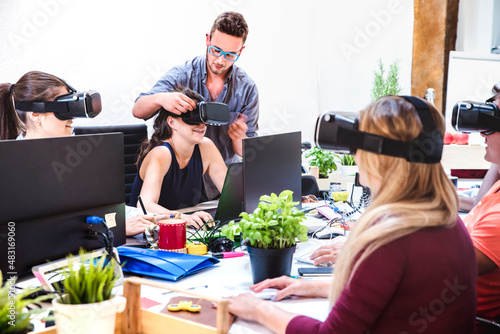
{"type": "Point", "coordinates": [348, 171]}
{"type": "Point", "coordinates": [88, 318]}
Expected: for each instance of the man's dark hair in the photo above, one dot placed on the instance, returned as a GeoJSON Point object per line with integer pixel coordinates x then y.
{"type": "Point", "coordinates": [231, 23]}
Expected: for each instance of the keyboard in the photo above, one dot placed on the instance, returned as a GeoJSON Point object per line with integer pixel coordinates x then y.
{"type": "Point", "coordinates": [305, 249]}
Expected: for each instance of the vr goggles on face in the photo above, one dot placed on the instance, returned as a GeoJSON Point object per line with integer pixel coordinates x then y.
{"type": "Point", "coordinates": [469, 116]}
{"type": "Point", "coordinates": [212, 113]}
{"type": "Point", "coordinates": [341, 135]}
{"type": "Point", "coordinates": [67, 106]}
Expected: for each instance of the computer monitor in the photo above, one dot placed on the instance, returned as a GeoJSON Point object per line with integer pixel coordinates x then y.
{"type": "Point", "coordinates": [231, 197]}
{"type": "Point", "coordinates": [47, 189]}
{"type": "Point", "coordinates": [271, 164]}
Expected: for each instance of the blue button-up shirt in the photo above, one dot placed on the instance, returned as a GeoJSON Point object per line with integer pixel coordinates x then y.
{"type": "Point", "coordinates": [239, 93]}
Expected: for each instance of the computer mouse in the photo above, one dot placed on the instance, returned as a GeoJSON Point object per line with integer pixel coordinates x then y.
{"type": "Point", "coordinates": [266, 294]}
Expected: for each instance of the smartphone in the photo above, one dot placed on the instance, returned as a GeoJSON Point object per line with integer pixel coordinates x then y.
{"type": "Point", "coordinates": [310, 272]}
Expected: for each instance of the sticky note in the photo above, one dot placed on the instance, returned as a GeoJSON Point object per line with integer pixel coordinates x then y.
{"type": "Point", "coordinates": [110, 219]}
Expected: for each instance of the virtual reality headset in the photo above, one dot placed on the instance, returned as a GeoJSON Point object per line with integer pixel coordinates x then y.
{"type": "Point", "coordinates": [67, 106]}
{"type": "Point", "coordinates": [341, 135]}
{"type": "Point", "coordinates": [212, 113]}
{"type": "Point", "coordinates": [469, 116]}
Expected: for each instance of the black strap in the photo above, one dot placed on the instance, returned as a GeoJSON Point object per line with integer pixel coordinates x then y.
{"type": "Point", "coordinates": [42, 107]}
{"type": "Point", "coordinates": [423, 112]}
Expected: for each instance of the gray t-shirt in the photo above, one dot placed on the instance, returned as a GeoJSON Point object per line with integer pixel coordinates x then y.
{"type": "Point", "coordinates": [239, 93]}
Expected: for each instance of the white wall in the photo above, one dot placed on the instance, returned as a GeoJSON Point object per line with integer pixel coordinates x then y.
{"type": "Point", "coordinates": [306, 57]}
{"type": "Point", "coordinates": [473, 69]}
{"type": "Point", "coordinates": [476, 25]}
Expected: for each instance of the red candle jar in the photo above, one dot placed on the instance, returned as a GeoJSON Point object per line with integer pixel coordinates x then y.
{"type": "Point", "coordinates": [172, 235]}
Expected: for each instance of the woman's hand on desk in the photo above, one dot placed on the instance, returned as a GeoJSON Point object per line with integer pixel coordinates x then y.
{"type": "Point", "coordinates": [293, 287]}
{"type": "Point", "coordinates": [197, 219]}
{"type": "Point", "coordinates": [251, 308]}
{"type": "Point", "coordinates": [138, 224]}
{"type": "Point", "coordinates": [327, 253]}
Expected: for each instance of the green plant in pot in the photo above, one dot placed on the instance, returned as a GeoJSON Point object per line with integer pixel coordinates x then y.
{"type": "Point", "coordinates": [347, 160]}
{"type": "Point", "coordinates": [271, 231]}
{"type": "Point", "coordinates": [15, 317]}
{"type": "Point", "coordinates": [85, 303]}
{"type": "Point", "coordinates": [348, 166]}
{"type": "Point", "coordinates": [324, 160]}
{"type": "Point", "coordinates": [386, 85]}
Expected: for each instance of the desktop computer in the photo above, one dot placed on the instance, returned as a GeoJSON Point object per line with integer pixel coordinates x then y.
{"type": "Point", "coordinates": [271, 164]}
{"type": "Point", "coordinates": [48, 188]}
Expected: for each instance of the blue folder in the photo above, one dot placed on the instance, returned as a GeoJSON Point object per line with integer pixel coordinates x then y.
{"type": "Point", "coordinates": [162, 264]}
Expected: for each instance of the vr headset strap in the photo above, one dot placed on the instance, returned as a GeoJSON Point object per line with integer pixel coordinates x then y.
{"type": "Point", "coordinates": [373, 143]}
{"type": "Point", "coordinates": [42, 107]}
{"type": "Point", "coordinates": [423, 112]}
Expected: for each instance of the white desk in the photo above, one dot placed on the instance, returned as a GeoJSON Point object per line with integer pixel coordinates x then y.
{"type": "Point", "coordinates": [230, 276]}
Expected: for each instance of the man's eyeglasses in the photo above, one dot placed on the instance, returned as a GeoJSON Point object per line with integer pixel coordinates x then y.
{"type": "Point", "coordinates": [215, 51]}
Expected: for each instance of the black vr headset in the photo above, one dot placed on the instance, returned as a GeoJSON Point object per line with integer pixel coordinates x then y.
{"type": "Point", "coordinates": [469, 116]}
{"type": "Point", "coordinates": [67, 106]}
{"type": "Point", "coordinates": [212, 113]}
{"type": "Point", "coordinates": [341, 134]}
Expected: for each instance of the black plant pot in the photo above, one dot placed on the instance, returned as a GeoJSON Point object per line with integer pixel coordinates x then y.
{"type": "Point", "coordinates": [270, 263]}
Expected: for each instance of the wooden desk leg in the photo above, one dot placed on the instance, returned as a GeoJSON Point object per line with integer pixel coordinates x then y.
{"type": "Point", "coordinates": [131, 318]}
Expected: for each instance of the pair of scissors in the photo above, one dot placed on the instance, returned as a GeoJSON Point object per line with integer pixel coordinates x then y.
{"type": "Point", "coordinates": [184, 305]}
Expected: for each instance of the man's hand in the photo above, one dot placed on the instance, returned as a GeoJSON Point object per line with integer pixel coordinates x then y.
{"type": "Point", "coordinates": [238, 129]}
{"type": "Point", "coordinates": [175, 102]}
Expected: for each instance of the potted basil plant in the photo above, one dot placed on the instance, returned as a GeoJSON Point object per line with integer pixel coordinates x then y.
{"type": "Point", "coordinates": [323, 159]}
{"type": "Point", "coordinates": [86, 303]}
{"type": "Point", "coordinates": [270, 231]}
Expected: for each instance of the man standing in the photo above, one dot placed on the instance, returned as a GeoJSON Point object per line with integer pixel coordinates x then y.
{"type": "Point", "coordinates": [215, 76]}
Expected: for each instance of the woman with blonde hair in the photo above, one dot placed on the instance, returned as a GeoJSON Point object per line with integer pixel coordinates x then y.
{"type": "Point", "coordinates": [409, 264]}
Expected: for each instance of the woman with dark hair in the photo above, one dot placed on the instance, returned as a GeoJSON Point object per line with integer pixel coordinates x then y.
{"type": "Point", "coordinates": [38, 86]}
{"type": "Point", "coordinates": [171, 166]}
{"type": "Point", "coordinates": [32, 86]}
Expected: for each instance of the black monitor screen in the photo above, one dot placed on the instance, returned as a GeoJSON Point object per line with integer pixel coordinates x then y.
{"type": "Point", "coordinates": [48, 188]}
{"type": "Point", "coordinates": [271, 164]}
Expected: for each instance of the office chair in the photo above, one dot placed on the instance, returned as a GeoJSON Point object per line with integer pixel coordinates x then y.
{"type": "Point", "coordinates": [133, 136]}
{"type": "Point", "coordinates": [310, 186]}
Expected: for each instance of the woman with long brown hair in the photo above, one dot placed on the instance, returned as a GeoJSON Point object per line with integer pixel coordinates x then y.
{"type": "Point", "coordinates": [172, 164]}
{"type": "Point", "coordinates": [34, 86]}
{"type": "Point", "coordinates": [408, 265]}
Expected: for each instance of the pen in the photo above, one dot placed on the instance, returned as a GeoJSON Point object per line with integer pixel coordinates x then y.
{"type": "Point", "coordinates": [226, 255]}
{"type": "Point", "coordinates": [142, 205]}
